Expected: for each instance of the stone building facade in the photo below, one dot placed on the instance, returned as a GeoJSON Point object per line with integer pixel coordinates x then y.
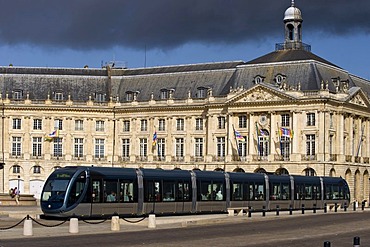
{"type": "Point", "coordinates": [286, 112]}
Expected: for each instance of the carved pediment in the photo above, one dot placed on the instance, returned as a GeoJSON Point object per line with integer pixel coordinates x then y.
{"type": "Point", "coordinates": [259, 94]}
{"type": "Point", "coordinates": [358, 100]}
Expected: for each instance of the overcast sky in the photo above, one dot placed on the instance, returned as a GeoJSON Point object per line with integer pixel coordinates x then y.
{"type": "Point", "coordinates": [74, 33]}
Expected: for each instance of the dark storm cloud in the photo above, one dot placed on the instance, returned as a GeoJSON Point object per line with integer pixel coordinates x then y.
{"type": "Point", "coordinates": [98, 24]}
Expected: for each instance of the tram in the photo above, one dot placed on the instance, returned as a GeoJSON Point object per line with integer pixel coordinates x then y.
{"type": "Point", "coordinates": [100, 192]}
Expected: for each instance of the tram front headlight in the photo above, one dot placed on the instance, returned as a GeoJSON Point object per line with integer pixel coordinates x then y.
{"type": "Point", "coordinates": [49, 206]}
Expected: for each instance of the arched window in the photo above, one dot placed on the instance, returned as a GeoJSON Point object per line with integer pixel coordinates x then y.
{"type": "Point", "coordinates": [309, 172]}
{"type": "Point", "coordinates": [16, 169]}
{"type": "Point", "coordinates": [291, 32]}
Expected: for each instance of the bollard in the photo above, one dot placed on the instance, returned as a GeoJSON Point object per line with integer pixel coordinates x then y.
{"type": "Point", "coordinates": [263, 211]}
{"type": "Point", "coordinates": [290, 210]}
{"type": "Point", "coordinates": [345, 207]}
{"type": "Point", "coordinates": [354, 206]}
{"type": "Point", "coordinates": [325, 208]}
{"type": "Point", "coordinates": [335, 207]}
{"type": "Point", "coordinates": [314, 208]}
{"type": "Point", "coordinates": [73, 225]}
{"type": "Point", "coordinates": [302, 208]}
{"type": "Point", "coordinates": [363, 205]}
{"type": "Point", "coordinates": [326, 244]}
{"type": "Point", "coordinates": [356, 242]}
{"type": "Point", "coordinates": [115, 226]}
{"type": "Point", "coordinates": [27, 227]}
{"type": "Point", "coordinates": [249, 211]}
{"type": "Point", "coordinates": [152, 223]}
{"type": "Point", "coordinates": [277, 210]}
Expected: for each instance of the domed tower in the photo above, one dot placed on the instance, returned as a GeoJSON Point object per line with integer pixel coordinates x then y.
{"type": "Point", "coordinates": [293, 28]}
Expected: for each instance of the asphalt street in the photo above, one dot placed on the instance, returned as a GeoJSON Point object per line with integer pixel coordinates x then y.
{"type": "Point", "coordinates": [309, 230]}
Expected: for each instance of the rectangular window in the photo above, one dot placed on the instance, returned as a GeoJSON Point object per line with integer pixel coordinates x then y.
{"type": "Point", "coordinates": [127, 192]}
{"type": "Point", "coordinates": [16, 146]}
{"type": "Point", "coordinates": [243, 122]}
{"type": "Point", "coordinates": [126, 126]}
{"type": "Point", "coordinates": [99, 125]}
{"type": "Point", "coordinates": [221, 147]}
{"type": "Point", "coordinates": [17, 123]}
{"type": "Point", "coordinates": [58, 124]}
{"type": "Point", "coordinates": [211, 191]}
{"type": "Point", "coordinates": [126, 148]}
{"type": "Point", "coordinates": [285, 147]}
{"type": "Point", "coordinates": [199, 124]}
{"type": "Point", "coordinates": [18, 95]}
{"type": "Point", "coordinates": [221, 122]}
{"type": "Point", "coordinates": [263, 146]}
{"type": "Point", "coordinates": [310, 145]}
{"type": "Point", "coordinates": [79, 147]}
{"type": "Point", "coordinates": [79, 125]}
{"type": "Point", "coordinates": [285, 120]}
{"type": "Point", "coordinates": [242, 147]}
{"type": "Point", "coordinates": [161, 125]}
{"type": "Point", "coordinates": [58, 96]}
{"type": "Point", "coordinates": [164, 94]}
{"type": "Point", "coordinates": [161, 145]}
{"type": "Point", "coordinates": [180, 124]}
{"type": "Point", "coordinates": [198, 147]}
{"type": "Point", "coordinates": [99, 148]}
{"type": "Point", "coordinates": [331, 137]}
{"type": "Point", "coordinates": [99, 97]}
{"type": "Point", "coordinates": [36, 146]}
{"type": "Point", "coordinates": [144, 125]}
{"type": "Point", "coordinates": [179, 147]}
{"type": "Point", "coordinates": [58, 148]}
{"type": "Point", "coordinates": [16, 169]}
{"type": "Point", "coordinates": [37, 124]}
{"type": "Point", "coordinates": [311, 119]}
{"type": "Point", "coordinates": [143, 147]}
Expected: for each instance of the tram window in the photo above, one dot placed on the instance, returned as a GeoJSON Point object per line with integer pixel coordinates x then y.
{"type": "Point", "coordinates": [286, 192]}
{"type": "Point", "coordinates": [96, 191]}
{"type": "Point", "coordinates": [258, 192]}
{"type": "Point", "coordinates": [126, 193]}
{"type": "Point", "coordinates": [110, 191]}
{"type": "Point", "coordinates": [183, 193]}
{"type": "Point", "coordinates": [211, 191]}
{"type": "Point", "coordinates": [299, 189]}
{"type": "Point", "coordinates": [169, 188]}
{"type": "Point", "coordinates": [237, 192]}
{"type": "Point", "coordinates": [308, 192]}
{"type": "Point", "coordinates": [152, 191]}
{"type": "Point", "coordinates": [275, 193]}
{"type": "Point", "coordinates": [77, 189]}
{"type": "Point", "coordinates": [316, 192]}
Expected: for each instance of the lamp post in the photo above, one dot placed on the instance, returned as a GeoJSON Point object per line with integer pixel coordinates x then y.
{"type": "Point", "coordinates": [19, 179]}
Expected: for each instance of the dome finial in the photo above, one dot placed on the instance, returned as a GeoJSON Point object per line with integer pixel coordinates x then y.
{"type": "Point", "coordinates": [292, 3]}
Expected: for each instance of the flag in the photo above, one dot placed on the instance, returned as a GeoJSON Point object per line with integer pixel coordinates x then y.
{"type": "Point", "coordinates": [155, 138]}
{"type": "Point", "coordinates": [54, 134]}
{"type": "Point", "coordinates": [238, 136]}
{"type": "Point", "coordinates": [50, 137]}
{"type": "Point", "coordinates": [286, 132]}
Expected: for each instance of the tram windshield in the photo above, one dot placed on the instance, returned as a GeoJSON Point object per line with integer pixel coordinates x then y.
{"type": "Point", "coordinates": [56, 186]}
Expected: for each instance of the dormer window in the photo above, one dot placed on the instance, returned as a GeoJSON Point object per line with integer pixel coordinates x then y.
{"type": "Point", "coordinates": [131, 95]}
{"type": "Point", "coordinates": [279, 78]}
{"type": "Point", "coordinates": [58, 96]}
{"type": "Point", "coordinates": [165, 94]}
{"type": "Point", "coordinates": [18, 94]}
{"type": "Point", "coordinates": [99, 97]}
{"type": "Point", "coordinates": [202, 92]}
{"type": "Point", "coordinates": [258, 79]}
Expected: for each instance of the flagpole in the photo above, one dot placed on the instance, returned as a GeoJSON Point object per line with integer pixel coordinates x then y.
{"type": "Point", "coordinates": [237, 144]}
{"type": "Point", "coordinates": [258, 141]}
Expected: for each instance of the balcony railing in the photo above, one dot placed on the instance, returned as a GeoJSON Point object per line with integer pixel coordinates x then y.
{"type": "Point", "coordinates": [348, 158]}
{"type": "Point", "coordinates": [196, 158]}
{"type": "Point", "coordinates": [309, 157]}
{"type": "Point", "coordinates": [366, 160]}
{"type": "Point", "coordinates": [159, 158]}
{"type": "Point", "coordinates": [141, 158]}
{"type": "Point", "coordinates": [333, 157]}
{"type": "Point", "coordinates": [177, 158]}
{"type": "Point", "coordinates": [259, 158]}
{"type": "Point", "coordinates": [218, 159]}
{"type": "Point", "coordinates": [357, 159]}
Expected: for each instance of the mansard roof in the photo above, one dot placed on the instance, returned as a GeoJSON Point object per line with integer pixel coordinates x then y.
{"type": "Point", "coordinates": [288, 56]}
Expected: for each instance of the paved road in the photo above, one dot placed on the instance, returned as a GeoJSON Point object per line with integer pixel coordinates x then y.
{"type": "Point", "coordinates": [298, 231]}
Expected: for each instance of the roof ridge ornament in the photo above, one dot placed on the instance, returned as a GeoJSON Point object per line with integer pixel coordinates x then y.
{"type": "Point", "coordinates": [292, 3]}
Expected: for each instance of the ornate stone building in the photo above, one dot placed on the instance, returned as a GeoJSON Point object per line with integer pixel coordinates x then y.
{"type": "Point", "coordinates": [287, 112]}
